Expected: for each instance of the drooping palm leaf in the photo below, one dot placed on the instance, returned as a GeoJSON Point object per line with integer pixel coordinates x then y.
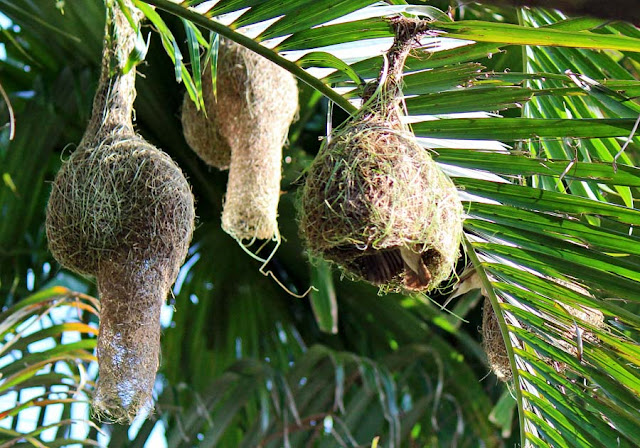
{"type": "Point", "coordinates": [216, 293]}
{"type": "Point", "coordinates": [330, 398]}
{"type": "Point", "coordinates": [50, 100]}
{"type": "Point", "coordinates": [46, 347]}
{"type": "Point", "coordinates": [615, 10]}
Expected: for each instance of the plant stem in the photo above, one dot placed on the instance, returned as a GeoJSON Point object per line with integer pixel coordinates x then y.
{"type": "Point", "coordinates": [113, 102]}
{"type": "Point", "coordinates": [503, 329]}
{"type": "Point", "coordinates": [267, 53]}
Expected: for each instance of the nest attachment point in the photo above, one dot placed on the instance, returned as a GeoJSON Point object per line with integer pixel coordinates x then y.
{"type": "Point", "coordinates": [377, 205]}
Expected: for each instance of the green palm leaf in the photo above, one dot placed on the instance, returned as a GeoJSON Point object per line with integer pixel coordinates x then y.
{"type": "Point", "coordinates": [327, 398]}
{"type": "Point", "coordinates": [42, 372]}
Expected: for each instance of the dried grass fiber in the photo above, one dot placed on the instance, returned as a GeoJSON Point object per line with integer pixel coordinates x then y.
{"type": "Point", "coordinates": [373, 191]}
{"type": "Point", "coordinates": [581, 315]}
{"type": "Point", "coordinates": [494, 344]}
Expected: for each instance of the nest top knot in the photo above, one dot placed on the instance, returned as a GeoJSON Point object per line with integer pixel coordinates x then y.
{"type": "Point", "coordinates": [408, 31]}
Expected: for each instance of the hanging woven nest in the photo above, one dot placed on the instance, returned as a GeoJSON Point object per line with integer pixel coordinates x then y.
{"type": "Point", "coordinates": [494, 347]}
{"type": "Point", "coordinates": [244, 130]}
{"type": "Point", "coordinates": [121, 210]}
{"type": "Point", "coordinates": [260, 100]}
{"type": "Point", "coordinates": [374, 201]}
{"type": "Point", "coordinates": [493, 344]}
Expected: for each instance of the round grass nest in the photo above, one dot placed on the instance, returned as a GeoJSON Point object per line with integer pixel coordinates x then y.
{"type": "Point", "coordinates": [374, 201]}
{"type": "Point", "coordinates": [121, 210]}
{"type": "Point", "coordinates": [377, 205]}
{"type": "Point", "coordinates": [122, 201]}
{"type": "Point", "coordinates": [201, 129]}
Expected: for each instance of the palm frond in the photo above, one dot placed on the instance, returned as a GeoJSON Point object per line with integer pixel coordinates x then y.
{"type": "Point", "coordinates": [50, 101]}
{"type": "Point", "coordinates": [327, 398]}
{"type": "Point", "coordinates": [550, 228]}
{"type": "Point", "coordinates": [43, 359]}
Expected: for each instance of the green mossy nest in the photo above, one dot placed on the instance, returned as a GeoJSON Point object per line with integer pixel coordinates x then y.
{"type": "Point", "coordinates": [374, 201]}
{"type": "Point", "coordinates": [121, 210]}
{"type": "Point", "coordinates": [201, 131]}
{"type": "Point", "coordinates": [374, 198]}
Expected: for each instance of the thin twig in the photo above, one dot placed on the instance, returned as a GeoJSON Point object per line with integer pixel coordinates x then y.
{"type": "Point", "coordinates": [12, 118]}
{"type": "Point", "coordinates": [633, 131]}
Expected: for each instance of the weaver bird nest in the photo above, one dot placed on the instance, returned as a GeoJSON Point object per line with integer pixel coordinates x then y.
{"type": "Point", "coordinates": [121, 210]}
{"type": "Point", "coordinates": [244, 130]}
{"type": "Point", "coordinates": [201, 129]}
{"type": "Point", "coordinates": [581, 318]}
{"type": "Point", "coordinates": [374, 201]}
{"type": "Point", "coordinates": [493, 344]}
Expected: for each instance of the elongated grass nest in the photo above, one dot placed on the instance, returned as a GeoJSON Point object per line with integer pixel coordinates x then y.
{"type": "Point", "coordinates": [376, 204]}
{"type": "Point", "coordinates": [121, 210]}
{"type": "Point", "coordinates": [257, 101]}
{"type": "Point", "coordinates": [244, 130]}
{"type": "Point", "coordinates": [494, 344]}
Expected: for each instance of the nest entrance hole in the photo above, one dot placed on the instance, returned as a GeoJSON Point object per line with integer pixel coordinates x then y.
{"type": "Point", "coordinates": [381, 267]}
